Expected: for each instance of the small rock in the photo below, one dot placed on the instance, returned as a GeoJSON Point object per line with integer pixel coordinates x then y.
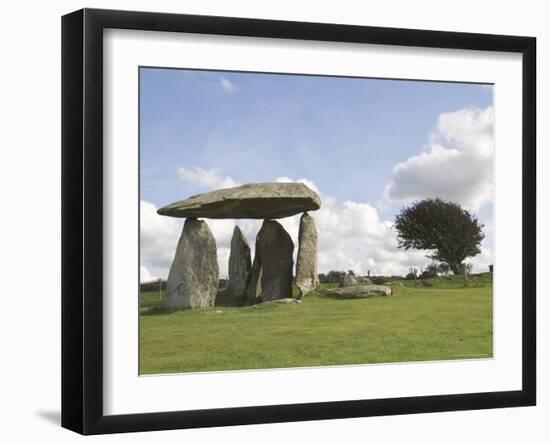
{"type": "Point", "coordinates": [281, 301]}
{"type": "Point", "coordinates": [361, 291]}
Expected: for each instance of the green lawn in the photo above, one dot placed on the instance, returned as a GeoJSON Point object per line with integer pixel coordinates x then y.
{"type": "Point", "coordinates": [440, 322]}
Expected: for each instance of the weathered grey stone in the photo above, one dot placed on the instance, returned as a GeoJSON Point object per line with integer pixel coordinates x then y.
{"type": "Point", "coordinates": [348, 280]}
{"type": "Point", "coordinates": [306, 262]}
{"type": "Point", "coordinates": [272, 268]}
{"type": "Point", "coordinates": [193, 277]}
{"type": "Point", "coordinates": [255, 200]}
{"type": "Point", "coordinates": [240, 264]}
{"type": "Point", "coordinates": [364, 280]}
{"type": "Point", "coordinates": [361, 291]}
{"type": "Point", "coordinates": [254, 291]}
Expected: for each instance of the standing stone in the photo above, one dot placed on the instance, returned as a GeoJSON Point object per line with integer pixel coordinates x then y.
{"type": "Point", "coordinates": [254, 286]}
{"type": "Point", "coordinates": [306, 263]}
{"type": "Point", "coordinates": [239, 264]}
{"type": "Point", "coordinates": [272, 269]}
{"type": "Point", "coordinates": [193, 277]}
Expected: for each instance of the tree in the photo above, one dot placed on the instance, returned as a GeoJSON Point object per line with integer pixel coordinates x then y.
{"type": "Point", "coordinates": [450, 232]}
{"type": "Point", "coordinates": [335, 276]}
{"type": "Point", "coordinates": [430, 271]}
{"type": "Point", "coordinates": [443, 268]}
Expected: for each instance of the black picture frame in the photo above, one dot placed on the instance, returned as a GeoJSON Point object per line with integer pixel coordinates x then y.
{"type": "Point", "coordinates": [82, 218]}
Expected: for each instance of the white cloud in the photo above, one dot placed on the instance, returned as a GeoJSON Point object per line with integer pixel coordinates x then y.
{"type": "Point", "coordinates": [482, 261]}
{"type": "Point", "coordinates": [159, 236]}
{"type": "Point", "coordinates": [222, 230]}
{"type": "Point", "coordinates": [223, 261]}
{"type": "Point", "coordinates": [227, 85]}
{"type": "Point", "coordinates": [457, 164]}
{"type": "Point", "coordinates": [351, 234]}
{"type": "Point", "coordinates": [206, 178]}
{"type": "Point", "coordinates": [305, 181]}
{"type": "Point", "coordinates": [145, 276]}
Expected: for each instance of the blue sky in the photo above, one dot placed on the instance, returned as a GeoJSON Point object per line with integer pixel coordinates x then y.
{"type": "Point", "coordinates": [345, 135]}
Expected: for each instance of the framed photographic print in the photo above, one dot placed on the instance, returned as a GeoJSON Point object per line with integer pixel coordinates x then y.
{"type": "Point", "coordinates": [269, 221]}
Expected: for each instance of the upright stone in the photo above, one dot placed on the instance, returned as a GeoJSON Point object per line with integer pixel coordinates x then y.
{"type": "Point", "coordinates": [254, 287]}
{"type": "Point", "coordinates": [239, 264]}
{"type": "Point", "coordinates": [306, 263]}
{"type": "Point", "coordinates": [193, 277]}
{"type": "Point", "coordinates": [272, 269]}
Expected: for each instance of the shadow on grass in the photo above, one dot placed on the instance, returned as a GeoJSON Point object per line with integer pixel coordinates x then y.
{"type": "Point", "coordinates": [336, 296]}
{"type": "Point", "coordinates": [225, 298]}
{"type": "Point", "coordinates": [158, 310]}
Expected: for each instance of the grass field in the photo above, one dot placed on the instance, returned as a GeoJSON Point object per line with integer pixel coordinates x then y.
{"type": "Point", "coordinates": [443, 321]}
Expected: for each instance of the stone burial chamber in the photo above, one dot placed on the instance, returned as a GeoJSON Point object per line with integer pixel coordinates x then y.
{"type": "Point", "coordinates": [194, 274]}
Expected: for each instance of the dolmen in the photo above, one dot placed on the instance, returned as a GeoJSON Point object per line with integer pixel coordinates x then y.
{"type": "Point", "coordinates": [194, 275]}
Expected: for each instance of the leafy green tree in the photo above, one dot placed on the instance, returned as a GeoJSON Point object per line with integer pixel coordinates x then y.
{"type": "Point", "coordinates": [335, 276]}
{"type": "Point", "coordinates": [430, 271]}
{"type": "Point", "coordinates": [448, 231]}
{"type": "Point", "coordinates": [443, 268]}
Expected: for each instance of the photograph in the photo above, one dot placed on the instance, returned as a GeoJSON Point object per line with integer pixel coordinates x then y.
{"type": "Point", "coordinates": [267, 222]}
{"type": "Point", "coordinates": [300, 221]}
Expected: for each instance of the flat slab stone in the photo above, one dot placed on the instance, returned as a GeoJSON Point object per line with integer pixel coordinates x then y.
{"type": "Point", "coordinates": [361, 291]}
{"type": "Point", "coordinates": [254, 200]}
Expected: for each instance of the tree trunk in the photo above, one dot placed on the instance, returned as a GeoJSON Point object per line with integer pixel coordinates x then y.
{"type": "Point", "coordinates": [457, 268]}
